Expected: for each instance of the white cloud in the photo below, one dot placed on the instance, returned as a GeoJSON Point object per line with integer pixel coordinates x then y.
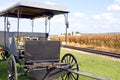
{"type": "Point", "coordinates": [104, 16]}
{"type": "Point", "coordinates": [1, 8]}
{"type": "Point", "coordinates": [114, 21]}
{"type": "Point", "coordinates": [51, 3]}
{"type": "Point", "coordinates": [58, 19]}
{"type": "Point", "coordinates": [113, 7]}
{"type": "Point", "coordinates": [76, 25]}
{"type": "Point", "coordinates": [118, 1]}
{"type": "Point", "coordinates": [98, 17]}
{"type": "Point", "coordinates": [6, 6]}
{"type": "Point", "coordinates": [79, 14]}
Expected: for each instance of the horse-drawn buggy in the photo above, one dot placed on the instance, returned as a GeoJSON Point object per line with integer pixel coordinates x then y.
{"type": "Point", "coordinates": [38, 56]}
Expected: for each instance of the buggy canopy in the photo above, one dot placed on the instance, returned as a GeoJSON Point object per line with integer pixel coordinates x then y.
{"type": "Point", "coordinates": [32, 10]}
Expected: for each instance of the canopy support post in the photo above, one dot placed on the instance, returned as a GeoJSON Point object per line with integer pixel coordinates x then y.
{"type": "Point", "coordinates": [5, 30]}
{"type": "Point", "coordinates": [49, 26]}
{"type": "Point", "coordinates": [45, 24]}
{"type": "Point", "coordinates": [8, 25]}
{"type": "Point", "coordinates": [18, 19]}
{"type": "Point", "coordinates": [67, 26]}
{"type": "Point", "coordinates": [32, 25]}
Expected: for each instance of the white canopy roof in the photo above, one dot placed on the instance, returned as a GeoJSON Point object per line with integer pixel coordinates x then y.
{"type": "Point", "coordinates": [33, 10]}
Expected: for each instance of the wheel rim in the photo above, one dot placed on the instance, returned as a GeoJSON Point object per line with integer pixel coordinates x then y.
{"type": "Point", "coordinates": [12, 71]}
{"type": "Point", "coordinates": [70, 59]}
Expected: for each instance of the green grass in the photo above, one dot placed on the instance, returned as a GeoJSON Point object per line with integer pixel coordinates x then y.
{"type": "Point", "coordinates": [94, 64]}
{"type": "Point", "coordinates": [3, 70]}
{"type": "Point", "coordinates": [98, 65]}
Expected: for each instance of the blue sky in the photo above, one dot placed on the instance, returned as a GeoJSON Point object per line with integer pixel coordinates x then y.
{"type": "Point", "coordinates": [86, 16]}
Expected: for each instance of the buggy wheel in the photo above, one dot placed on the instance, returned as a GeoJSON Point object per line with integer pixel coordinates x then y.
{"type": "Point", "coordinates": [70, 59]}
{"type": "Point", "coordinates": [4, 54]}
{"type": "Point", "coordinates": [12, 69]}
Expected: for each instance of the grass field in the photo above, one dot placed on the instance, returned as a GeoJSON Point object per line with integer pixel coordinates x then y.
{"type": "Point", "coordinates": [94, 64]}
{"type": "Point", "coordinates": [98, 65]}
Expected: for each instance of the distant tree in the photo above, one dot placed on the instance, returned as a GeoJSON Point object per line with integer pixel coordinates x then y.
{"type": "Point", "coordinates": [72, 33]}
{"type": "Point", "coordinates": [69, 33]}
{"type": "Point", "coordinates": [77, 32]}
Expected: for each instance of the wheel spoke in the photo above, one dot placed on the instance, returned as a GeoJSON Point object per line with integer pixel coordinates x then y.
{"type": "Point", "coordinates": [73, 65]}
{"type": "Point", "coordinates": [66, 76]}
{"type": "Point", "coordinates": [73, 76]}
{"type": "Point", "coordinates": [70, 59]}
{"type": "Point", "coordinates": [12, 77]}
{"type": "Point", "coordinates": [74, 68]}
{"type": "Point", "coordinates": [67, 59]}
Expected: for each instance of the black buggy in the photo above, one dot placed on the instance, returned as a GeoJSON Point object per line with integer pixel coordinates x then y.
{"type": "Point", "coordinates": [38, 56]}
{"type": "Point", "coordinates": [32, 51]}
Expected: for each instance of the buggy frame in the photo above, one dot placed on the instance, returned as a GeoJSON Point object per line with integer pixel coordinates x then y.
{"type": "Point", "coordinates": [39, 57]}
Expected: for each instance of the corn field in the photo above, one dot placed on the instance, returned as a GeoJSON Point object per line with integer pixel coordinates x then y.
{"type": "Point", "coordinates": [109, 42]}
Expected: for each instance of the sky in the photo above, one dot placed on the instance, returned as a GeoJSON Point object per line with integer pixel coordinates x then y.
{"type": "Point", "coordinates": [86, 16]}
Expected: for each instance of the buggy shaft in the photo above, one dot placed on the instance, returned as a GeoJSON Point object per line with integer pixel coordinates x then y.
{"type": "Point", "coordinates": [88, 75]}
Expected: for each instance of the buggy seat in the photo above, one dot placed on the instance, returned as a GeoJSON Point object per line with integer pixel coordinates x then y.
{"type": "Point", "coordinates": [37, 50]}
